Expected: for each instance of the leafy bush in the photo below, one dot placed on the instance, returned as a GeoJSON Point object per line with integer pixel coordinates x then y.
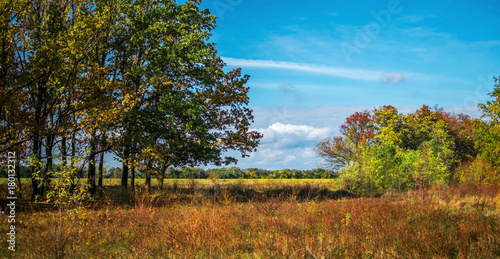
{"type": "Point", "coordinates": [479, 172]}
{"type": "Point", "coordinates": [386, 166]}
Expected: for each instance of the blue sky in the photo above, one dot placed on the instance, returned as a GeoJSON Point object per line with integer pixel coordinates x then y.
{"type": "Point", "coordinates": [311, 64]}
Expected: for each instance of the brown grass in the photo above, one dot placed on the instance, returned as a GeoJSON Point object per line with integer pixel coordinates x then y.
{"type": "Point", "coordinates": [444, 222]}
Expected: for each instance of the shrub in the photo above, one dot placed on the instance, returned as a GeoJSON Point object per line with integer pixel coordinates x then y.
{"type": "Point", "coordinates": [479, 172]}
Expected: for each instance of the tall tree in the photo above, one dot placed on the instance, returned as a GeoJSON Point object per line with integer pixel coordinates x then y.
{"type": "Point", "coordinates": [48, 74]}
{"type": "Point", "coordinates": [358, 129]}
{"type": "Point", "coordinates": [135, 77]}
{"type": "Point", "coordinates": [188, 110]}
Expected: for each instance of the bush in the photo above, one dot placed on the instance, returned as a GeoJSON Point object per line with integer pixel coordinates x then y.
{"type": "Point", "coordinates": [386, 166]}
{"type": "Point", "coordinates": [479, 172]}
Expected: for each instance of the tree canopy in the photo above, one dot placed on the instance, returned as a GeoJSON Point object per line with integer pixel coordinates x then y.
{"type": "Point", "coordinates": [138, 78]}
{"type": "Point", "coordinates": [383, 148]}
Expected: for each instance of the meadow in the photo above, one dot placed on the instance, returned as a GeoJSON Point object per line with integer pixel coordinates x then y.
{"type": "Point", "coordinates": [144, 81]}
{"type": "Point", "coordinates": [262, 219]}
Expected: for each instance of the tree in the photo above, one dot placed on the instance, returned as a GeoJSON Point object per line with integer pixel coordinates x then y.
{"type": "Point", "coordinates": [135, 77]}
{"type": "Point", "coordinates": [390, 124]}
{"type": "Point", "coordinates": [386, 149]}
{"type": "Point", "coordinates": [488, 133]}
{"type": "Point", "coordinates": [188, 110]}
{"type": "Point", "coordinates": [42, 70]}
{"type": "Point", "coordinates": [358, 129]}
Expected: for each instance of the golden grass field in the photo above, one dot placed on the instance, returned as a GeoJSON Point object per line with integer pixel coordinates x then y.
{"type": "Point", "coordinates": [264, 219]}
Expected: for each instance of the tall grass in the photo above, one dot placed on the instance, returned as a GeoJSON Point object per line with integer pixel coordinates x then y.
{"type": "Point", "coordinates": [444, 222]}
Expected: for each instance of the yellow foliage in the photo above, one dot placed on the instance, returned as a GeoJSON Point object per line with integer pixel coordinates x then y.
{"type": "Point", "coordinates": [479, 172]}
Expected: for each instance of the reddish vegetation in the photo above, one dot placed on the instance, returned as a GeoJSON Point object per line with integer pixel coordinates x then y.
{"type": "Point", "coordinates": [458, 222]}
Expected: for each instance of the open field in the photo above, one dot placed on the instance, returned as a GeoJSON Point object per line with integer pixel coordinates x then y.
{"type": "Point", "coordinates": [154, 181]}
{"type": "Point", "coordinates": [266, 219]}
{"type": "Point", "coordinates": [201, 188]}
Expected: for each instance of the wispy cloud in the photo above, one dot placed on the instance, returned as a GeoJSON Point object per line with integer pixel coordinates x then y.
{"type": "Point", "coordinates": [287, 88]}
{"type": "Point", "coordinates": [423, 32]}
{"type": "Point", "coordinates": [289, 159]}
{"type": "Point", "coordinates": [493, 43]}
{"type": "Point", "coordinates": [392, 78]}
{"type": "Point", "coordinates": [352, 73]}
{"type": "Point", "coordinates": [412, 18]}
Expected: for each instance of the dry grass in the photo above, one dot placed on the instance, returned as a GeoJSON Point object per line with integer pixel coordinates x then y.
{"type": "Point", "coordinates": [460, 222]}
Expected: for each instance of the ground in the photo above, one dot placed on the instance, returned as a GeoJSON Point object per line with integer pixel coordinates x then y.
{"type": "Point", "coordinates": [263, 219]}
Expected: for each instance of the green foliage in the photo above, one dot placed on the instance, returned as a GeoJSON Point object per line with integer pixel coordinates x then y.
{"type": "Point", "coordinates": [487, 142]}
{"type": "Point", "coordinates": [249, 173]}
{"type": "Point", "coordinates": [67, 196]}
{"type": "Point", "coordinates": [185, 109]}
{"type": "Point", "coordinates": [486, 137]}
{"type": "Point", "coordinates": [403, 151]}
{"type": "Point", "coordinates": [351, 177]}
{"type": "Point", "coordinates": [63, 191]}
{"type": "Point", "coordinates": [491, 109]}
{"type": "Point", "coordinates": [390, 124]}
{"type": "Point", "coordinates": [137, 78]}
{"type": "Point", "coordinates": [488, 133]}
{"type": "Point", "coordinates": [479, 172]}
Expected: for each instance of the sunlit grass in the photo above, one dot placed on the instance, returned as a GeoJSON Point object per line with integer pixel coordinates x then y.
{"type": "Point", "coordinates": [444, 222]}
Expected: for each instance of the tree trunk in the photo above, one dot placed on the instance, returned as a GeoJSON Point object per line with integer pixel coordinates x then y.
{"type": "Point", "coordinates": [73, 153]}
{"type": "Point", "coordinates": [148, 180]}
{"type": "Point", "coordinates": [49, 144]}
{"type": "Point", "coordinates": [101, 158]}
{"type": "Point", "coordinates": [64, 152]}
{"type": "Point", "coordinates": [101, 168]}
{"type": "Point", "coordinates": [35, 168]}
{"type": "Point", "coordinates": [162, 176]}
{"type": "Point", "coordinates": [73, 148]}
{"type": "Point", "coordinates": [132, 179]}
{"type": "Point", "coordinates": [125, 167]}
{"type": "Point", "coordinates": [91, 169]}
{"type": "Point", "coordinates": [18, 173]}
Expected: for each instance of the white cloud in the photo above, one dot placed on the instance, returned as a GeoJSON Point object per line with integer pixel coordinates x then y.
{"type": "Point", "coordinates": [324, 117]}
{"type": "Point", "coordinates": [392, 78]}
{"type": "Point", "coordinates": [289, 158]}
{"type": "Point", "coordinates": [308, 152]}
{"type": "Point", "coordinates": [290, 135]}
{"type": "Point", "coordinates": [300, 130]}
{"type": "Point", "coordinates": [352, 73]}
{"type": "Point", "coordinates": [270, 152]}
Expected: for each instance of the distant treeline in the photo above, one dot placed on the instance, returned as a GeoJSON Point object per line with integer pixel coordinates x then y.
{"type": "Point", "coordinates": [200, 173]}
{"type": "Point", "coordinates": [250, 173]}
